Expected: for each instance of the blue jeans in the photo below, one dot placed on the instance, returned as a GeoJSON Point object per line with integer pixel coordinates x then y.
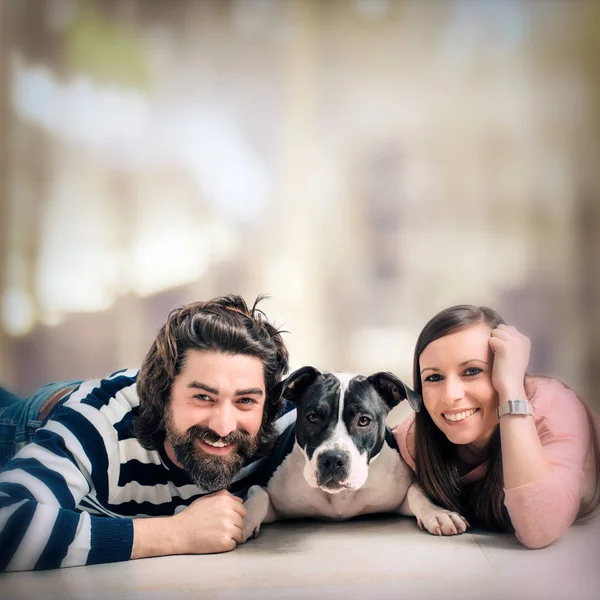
{"type": "Point", "coordinates": [19, 418]}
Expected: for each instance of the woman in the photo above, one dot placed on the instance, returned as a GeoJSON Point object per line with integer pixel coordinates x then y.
{"type": "Point", "coordinates": [531, 466]}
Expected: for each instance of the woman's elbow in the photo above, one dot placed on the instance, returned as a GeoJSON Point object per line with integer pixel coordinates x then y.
{"type": "Point", "coordinates": [538, 524]}
{"type": "Point", "coordinates": [534, 540]}
{"type": "Point", "coordinates": [540, 535]}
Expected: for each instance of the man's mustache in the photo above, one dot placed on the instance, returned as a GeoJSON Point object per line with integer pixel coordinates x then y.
{"type": "Point", "coordinates": [205, 434]}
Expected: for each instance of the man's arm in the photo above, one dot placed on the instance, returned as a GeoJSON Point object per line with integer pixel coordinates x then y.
{"type": "Point", "coordinates": [36, 535]}
{"type": "Point", "coordinates": [213, 523]}
{"type": "Point", "coordinates": [43, 485]}
{"type": "Point", "coordinates": [39, 526]}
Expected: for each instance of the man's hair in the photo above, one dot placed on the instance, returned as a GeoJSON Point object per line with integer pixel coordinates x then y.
{"type": "Point", "coordinates": [225, 325]}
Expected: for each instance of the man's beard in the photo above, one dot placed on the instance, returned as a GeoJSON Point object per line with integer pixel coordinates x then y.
{"type": "Point", "coordinates": [211, 472]}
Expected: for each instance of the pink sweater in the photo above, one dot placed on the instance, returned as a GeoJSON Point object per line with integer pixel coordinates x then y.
{"type": "Point", "coordinates": [542, 510]}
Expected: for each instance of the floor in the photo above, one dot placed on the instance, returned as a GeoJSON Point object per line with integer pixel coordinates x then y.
{"type": "Point", "coordinates": [374, 557]}
{"type": "Point", "coordinates": [371, 557]}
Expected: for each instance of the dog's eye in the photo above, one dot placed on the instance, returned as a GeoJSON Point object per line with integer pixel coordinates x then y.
{"type": "Point", "coordinates": [364, 421]}
{"type": "Point", "coordinates": [312, 418]}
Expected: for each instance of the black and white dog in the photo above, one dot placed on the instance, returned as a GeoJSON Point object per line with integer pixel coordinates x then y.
{"type": "Point", "coordinates": [341, 459]}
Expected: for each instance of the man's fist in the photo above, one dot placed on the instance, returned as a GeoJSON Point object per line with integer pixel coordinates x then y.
{"type": "Point", "coordinates": [213, 523]}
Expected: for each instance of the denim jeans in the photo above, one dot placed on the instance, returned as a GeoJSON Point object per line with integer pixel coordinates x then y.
{"type": "Point", "coordinates": [19, 418]}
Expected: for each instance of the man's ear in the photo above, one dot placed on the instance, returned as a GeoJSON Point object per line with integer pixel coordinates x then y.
{"type": "Point", "coordinates": [393, 390]}
{"type": "Point", "coordinates": [297, 382]}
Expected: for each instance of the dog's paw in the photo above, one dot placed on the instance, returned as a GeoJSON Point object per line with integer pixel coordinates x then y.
{"type": "Point", "coordinates": [256, 505]}
{"type": "Point", "coordinates": [250, 532]}
{"type": "Point", "coordinates": [443, 522]}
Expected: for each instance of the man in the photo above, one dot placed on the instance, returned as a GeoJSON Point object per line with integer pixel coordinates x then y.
{"type": "Point", "coordinates": [139, 464]}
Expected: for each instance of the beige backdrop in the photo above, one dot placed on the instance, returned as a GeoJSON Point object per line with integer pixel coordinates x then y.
{"type": "Point", "coordinates": [366, 163]}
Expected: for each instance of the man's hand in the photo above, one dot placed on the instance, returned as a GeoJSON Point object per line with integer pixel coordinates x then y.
{"type": "Point", "coordinates": [213, 523]}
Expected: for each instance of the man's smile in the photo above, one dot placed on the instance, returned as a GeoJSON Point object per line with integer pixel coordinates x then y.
{"type": "Point", "coordinates": [218, 448]}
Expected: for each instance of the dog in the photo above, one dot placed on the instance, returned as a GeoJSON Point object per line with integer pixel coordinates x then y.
{"type": "Point", "coordinates": [341, 459]}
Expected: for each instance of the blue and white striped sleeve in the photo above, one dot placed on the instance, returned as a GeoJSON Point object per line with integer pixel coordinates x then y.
{"type": "Point", "coordinates": [40, 489]}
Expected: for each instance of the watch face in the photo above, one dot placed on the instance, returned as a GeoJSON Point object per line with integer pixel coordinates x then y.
{"type": "Point", "coordinates": [515, 407]}
{"type": "Point", "coordinates": [519, 407]}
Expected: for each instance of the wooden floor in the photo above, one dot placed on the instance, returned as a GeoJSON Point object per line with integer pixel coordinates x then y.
{"type": "Point", "coordinates": [370, 558]}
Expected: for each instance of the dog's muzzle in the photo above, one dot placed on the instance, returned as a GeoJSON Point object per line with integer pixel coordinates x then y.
{"type": "Point", "coordinates": [333, 467]}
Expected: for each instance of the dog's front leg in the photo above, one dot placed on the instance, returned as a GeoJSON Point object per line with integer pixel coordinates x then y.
{"type": "Point", "coordinates": [435, 519]}
{"type": "Point", "coordinates": [259, 510]}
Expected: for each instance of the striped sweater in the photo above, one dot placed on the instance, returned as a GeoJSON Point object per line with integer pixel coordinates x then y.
{"type": "Point", "coordinates": [69, 498]}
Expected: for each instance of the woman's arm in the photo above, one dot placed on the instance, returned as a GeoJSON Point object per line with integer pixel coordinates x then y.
{"type": "Point", "coordinates": [543, 509]}
{"type": "Point", "coordinates": [542, 478]}
{"type": "Point", "coordinates": [523, 458]}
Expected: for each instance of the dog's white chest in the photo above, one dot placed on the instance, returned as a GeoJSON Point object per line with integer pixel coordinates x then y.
{"type": "Point", "coordinates": [385, 488]}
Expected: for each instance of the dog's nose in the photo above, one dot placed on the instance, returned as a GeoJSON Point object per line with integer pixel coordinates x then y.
{"type": "Point", "coordinates": [333, 464]}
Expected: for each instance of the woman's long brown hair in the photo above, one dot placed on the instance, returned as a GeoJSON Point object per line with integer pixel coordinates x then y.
{"type": "Point", "coordinates": [481, 502]}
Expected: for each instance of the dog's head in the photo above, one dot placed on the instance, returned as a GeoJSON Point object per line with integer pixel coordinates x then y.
{"type": "Point", "coordinates": [341, 422]}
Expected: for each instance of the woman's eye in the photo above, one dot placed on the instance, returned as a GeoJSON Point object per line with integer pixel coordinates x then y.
{"type": "Point", "coordinates": [364, 421]}
{"type": "Point", "coordinates": [433, 378]}
{"type": "Point", "coordinates": [473, 371]}
{"type": "Point", "coordinates": [312, 418]}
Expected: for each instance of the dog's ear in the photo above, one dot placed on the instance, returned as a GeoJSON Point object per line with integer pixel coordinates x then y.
{"type": "Point", "coordinates": [297, 382]}
{"type": "Point", "coordinates": [393, 391]}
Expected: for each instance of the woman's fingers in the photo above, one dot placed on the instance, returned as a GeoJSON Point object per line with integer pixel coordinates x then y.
{"type": "Point", "coordinates": [503, 334]}
{"type": "Point", "coordinates": [508, 332]}
{"type": "Point", "coordinates": [496, 344]}
{"type": "Point", "coordinates": [511, 351]}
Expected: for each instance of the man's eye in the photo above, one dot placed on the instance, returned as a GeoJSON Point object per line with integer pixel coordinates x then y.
{"type": "Point", "coordinates": [312, 418]}
{"type": "Point", "coordinates": [203, 397]}
{"type": "Point", "coordinates": [433, 378]}
{"type": "Point", "coordinates": [247, 401]}
{"type": "Point", "coordinates": [364, 421]}
{"type": "Point", "coordinates": [472, 371]}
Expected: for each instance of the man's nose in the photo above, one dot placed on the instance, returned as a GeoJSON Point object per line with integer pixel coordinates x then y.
{"type": "Point", "coordinates": [455, 389]}
{"type": "Point", "coordinates": [222, 419]}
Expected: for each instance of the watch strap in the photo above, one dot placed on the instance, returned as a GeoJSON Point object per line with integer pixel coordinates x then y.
{"type": "Point", "coordinates": [515, 407]}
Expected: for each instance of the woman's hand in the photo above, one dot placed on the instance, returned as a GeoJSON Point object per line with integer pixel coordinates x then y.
{"type": "Point", "coordinates": [511, 356]}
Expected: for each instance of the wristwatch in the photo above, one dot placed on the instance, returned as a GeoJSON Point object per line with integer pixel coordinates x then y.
{"type": "Point", "coordinates": [515, 407]}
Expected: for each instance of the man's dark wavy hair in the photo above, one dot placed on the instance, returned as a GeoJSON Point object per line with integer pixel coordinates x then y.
{"type": "Point", "coordinates": [224, 325]}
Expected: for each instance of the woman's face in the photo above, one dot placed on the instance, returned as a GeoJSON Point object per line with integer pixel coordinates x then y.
{"type": "Point", "coordinates": [456, 376]}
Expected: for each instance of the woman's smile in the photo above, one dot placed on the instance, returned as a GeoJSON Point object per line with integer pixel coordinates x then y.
{"type": "Point", "coordinates": [457, 417]}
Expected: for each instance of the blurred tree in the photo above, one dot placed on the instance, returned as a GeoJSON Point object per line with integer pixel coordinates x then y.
{"type": "Point", "coordinates": [95, 38]}
{"type": "Point", "coordinates": [106, 48]}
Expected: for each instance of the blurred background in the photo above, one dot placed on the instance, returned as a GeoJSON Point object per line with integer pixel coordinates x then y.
{"type": "Point", "coordinates": [366, 163]}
